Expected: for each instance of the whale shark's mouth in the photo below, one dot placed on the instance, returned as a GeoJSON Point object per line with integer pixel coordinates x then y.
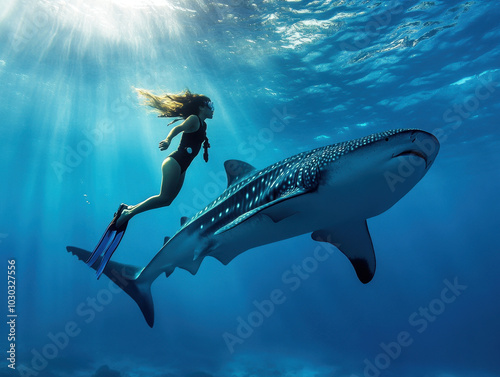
{"type": "Point", "coordinates": [416, 153]}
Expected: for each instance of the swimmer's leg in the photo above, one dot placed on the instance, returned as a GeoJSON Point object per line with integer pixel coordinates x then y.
{"type": "Point", "coordinates": [171, 184]}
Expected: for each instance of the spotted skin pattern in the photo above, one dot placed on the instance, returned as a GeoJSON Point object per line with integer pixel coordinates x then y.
{"type": "Point", "coordinates": [247, 194]}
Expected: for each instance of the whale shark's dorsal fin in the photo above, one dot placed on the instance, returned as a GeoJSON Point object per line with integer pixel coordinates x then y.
{"type": "Point", "coordinates": [184, 220]}
{"type": "Point", "coordinates": [355, 243]}
{"type": "Point", "coordinates": [235, 169]}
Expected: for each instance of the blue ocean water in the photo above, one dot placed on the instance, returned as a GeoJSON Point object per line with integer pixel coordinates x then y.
{"type": "Point", "coordinates": [286, 77]}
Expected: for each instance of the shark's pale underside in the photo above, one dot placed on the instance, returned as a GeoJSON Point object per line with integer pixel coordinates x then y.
{"type": "Point", "coordinates": [328, 192]}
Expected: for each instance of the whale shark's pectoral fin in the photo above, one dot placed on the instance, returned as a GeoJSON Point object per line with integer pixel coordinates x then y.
{"type": "Point", "coordinates": [355, 243]}
{"type": "Point", "coordinates": [274, 216]}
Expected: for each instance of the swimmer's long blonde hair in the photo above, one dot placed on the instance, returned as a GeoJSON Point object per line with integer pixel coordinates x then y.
{"type": "Point", "coordinates": [169, 105]}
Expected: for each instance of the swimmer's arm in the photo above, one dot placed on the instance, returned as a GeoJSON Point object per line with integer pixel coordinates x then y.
{"type": "Point", "coordinates": [189, 125]}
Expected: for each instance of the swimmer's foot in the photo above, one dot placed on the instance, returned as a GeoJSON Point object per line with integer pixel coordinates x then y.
{"type": "Point", "coordinates": [124, 217]}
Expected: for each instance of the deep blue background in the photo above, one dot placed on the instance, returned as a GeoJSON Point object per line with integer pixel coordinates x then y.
{"type": "Point", "coordinates": [323, 72]}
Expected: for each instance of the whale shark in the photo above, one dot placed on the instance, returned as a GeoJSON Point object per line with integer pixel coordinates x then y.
{"type": "Point", "coordinates": [328, 192]}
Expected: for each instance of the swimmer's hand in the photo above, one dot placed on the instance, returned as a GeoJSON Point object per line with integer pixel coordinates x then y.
{"type": "Point", "coordinates": [164, 144]}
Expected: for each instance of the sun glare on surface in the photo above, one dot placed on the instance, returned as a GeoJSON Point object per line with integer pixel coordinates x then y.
{"type": "Point", "coordinates": [139, 3]}
{"type": "Point", "coordinates": [123, 20]}
{"type": "Point", "coordinates": [83, 25]}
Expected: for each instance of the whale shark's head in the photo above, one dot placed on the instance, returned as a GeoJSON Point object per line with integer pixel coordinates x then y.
{"type": "Point", "coordinates": [377, 170]}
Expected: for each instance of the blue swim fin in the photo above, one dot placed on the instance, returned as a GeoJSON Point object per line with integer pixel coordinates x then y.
{"type": "Point", "coordinates": [101, 247]}
{"type": "Point", "coordinates": [108, 242]}
{"type": "Point", "coordinates": [110, 250]}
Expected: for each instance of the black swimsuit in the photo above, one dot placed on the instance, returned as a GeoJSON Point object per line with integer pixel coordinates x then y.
{"type": "Point", "coordinates": [190, 146]}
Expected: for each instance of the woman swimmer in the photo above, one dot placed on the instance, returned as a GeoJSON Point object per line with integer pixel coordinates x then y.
{"type": "Point", "coordinates": [194, 109]}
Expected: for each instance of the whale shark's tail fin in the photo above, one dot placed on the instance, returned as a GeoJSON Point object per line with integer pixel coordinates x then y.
{"type": "Point", "coordinates": [127, 278]}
